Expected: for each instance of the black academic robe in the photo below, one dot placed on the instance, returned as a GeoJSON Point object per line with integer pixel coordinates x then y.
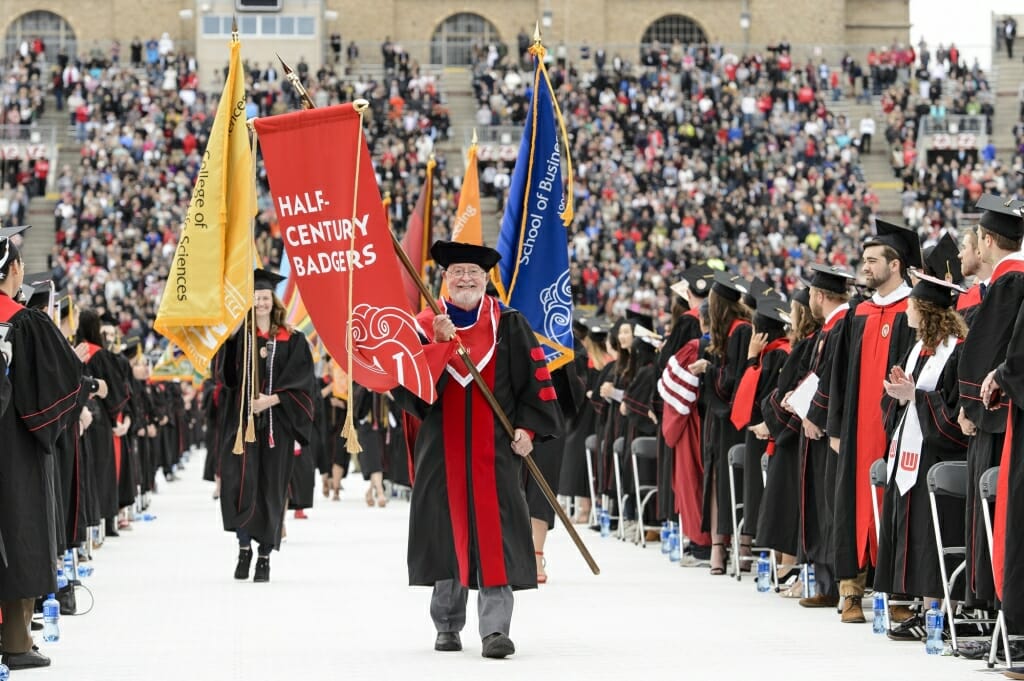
{"type": "Point", "coordinates": [778, 519]}
{"type": "Point", "coordinates": [45, 380]}
{"type": "Point", "coordinates": [721, 379]}
{"type": "Point", "coordinates": [149, 445]}
{"type": "Point", "coordinates": [396, 450]}
{"type": "Point", "coordinates": [1009, 549]}
{"type": "Point", "coordinates": [984, 349]}
{"type": "Point", "coordinates": [370, 417]}
{"type": "Point", "coordinates": [876, 338]}
{"type": "Point", "coordinates": [213, 434]}
{"type": "Point", "coordinates": [302, 482]}
{"type": "Point", "coordinates": [607, 427]}
{"type": "Point", "coordinates": [764, 374]}
{"type": "Point", "coordinates": [72, 480]}
{"type": "Point", "coordinates": [817, 459]}
{"type": "Point", "coordinates": [105, 449]}
{"type": "Point", "coordinates": [469, 519]}
{"type": "Point", "coordinates": [254, 483]}
{"type": "Point", "coordinates": [639, 401]}
{"type": "Point", "coordinates": [572, 480]}
{"type": "Point", "coordinates": [907, 559]}
{"type": "Point", "coordinates": [129, 469]}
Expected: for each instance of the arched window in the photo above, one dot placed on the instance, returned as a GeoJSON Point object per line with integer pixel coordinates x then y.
{"type": "Point", "coordinates": [673, 27]}
{"type": "Point", "coordinates": [456, 38]}
{"type": "Point", "coordinates": [52, 29]}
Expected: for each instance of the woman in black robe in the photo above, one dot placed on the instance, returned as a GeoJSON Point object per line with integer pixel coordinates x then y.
{"type": "Point", "coordinates": [111, 422]}
{"type": "Point", "coordinates": [371, 419]}
{"type": "Point", "coordinates": [43, 379]}
{"type": "Point", "coordinates": [921, 397]}
{"type": "Point", "coordinates": [254, 483]}
{"type": "Point", "coordinates": [779, 518]}
{"type": "Point", "coordinates": [611, 390]}
{"type": "Point", "coordinates": [730, 336]}
{"type": "Point", "coordinates": [638, 409]}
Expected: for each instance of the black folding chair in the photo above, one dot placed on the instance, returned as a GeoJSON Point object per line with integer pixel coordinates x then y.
{"type": "Point", "coordinates": [643, 448]}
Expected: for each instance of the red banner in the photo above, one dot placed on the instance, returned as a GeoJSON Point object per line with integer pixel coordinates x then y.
{"type": "Point", "coordinates": [311, 159]}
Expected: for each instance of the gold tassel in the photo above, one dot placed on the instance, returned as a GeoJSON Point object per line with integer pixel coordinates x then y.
{"type": "Point", "coordinates": [352, 445]}
{"type": "Point", "coordinates": [243, 390]}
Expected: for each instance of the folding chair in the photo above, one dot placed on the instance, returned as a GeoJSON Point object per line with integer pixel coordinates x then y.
{"type": "Point", "coordinates": [643, 448]}
{"type": "Point", "coordinates": [735, 456]}
{"type": "Point", "coordinates": [949, 479]}
{"type": "Point", "coordinates": [590, 450]}
{"type": "Point", "coordinates": [617, 455]}
{"type": "Point", "coordinates": [987, 488]}
{"type": "Point", "coordinates": [878, 478]}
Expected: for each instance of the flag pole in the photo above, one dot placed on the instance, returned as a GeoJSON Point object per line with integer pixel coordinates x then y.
{"type": "Point", "coordinates": [492, 401]}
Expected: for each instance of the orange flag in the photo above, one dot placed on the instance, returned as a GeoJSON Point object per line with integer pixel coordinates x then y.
{"type": "Point", "coordinates": [468, 226]}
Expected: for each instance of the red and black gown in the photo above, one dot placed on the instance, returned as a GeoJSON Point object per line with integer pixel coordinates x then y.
{"type": "Point", "coordinates": [907, 559]}
{"type": "Point", "coordinates": [254, 484]}
{"type": "Point", "coordinates": [44, 378]}
{"type": "Point", "coordinates": [877, 337]}
{"type": "Point", "coordinates": [469, 519]}
{"type": "Point", "coordinates": [984, 349]}
{"type": "Point", "coordinates": [778, 519]}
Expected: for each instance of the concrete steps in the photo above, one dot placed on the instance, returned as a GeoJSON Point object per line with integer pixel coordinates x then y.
{"type": "Point", "coordinates": [874, 166]}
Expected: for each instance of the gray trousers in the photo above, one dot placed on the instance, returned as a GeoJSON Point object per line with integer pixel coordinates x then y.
{"type": "Point", "coordinates": [493, 604]}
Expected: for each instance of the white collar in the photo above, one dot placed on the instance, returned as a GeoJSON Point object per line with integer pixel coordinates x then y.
{"type": "Point", "coordinates": [1016, 255]}
{"type": "Point", "coordinates": [842, 308]}
{"type": "Point", "coordinates": [900, 293]}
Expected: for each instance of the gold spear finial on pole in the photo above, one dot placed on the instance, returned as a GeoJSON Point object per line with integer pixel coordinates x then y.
{"type": "Point", "coordinates": [473, 141]}
{"type": "Point", "coordinates": [234, 29]}
{"type": "Point", "coordinates": [536, 32]}
{"type": "Point", "coordinates": [293, 78]}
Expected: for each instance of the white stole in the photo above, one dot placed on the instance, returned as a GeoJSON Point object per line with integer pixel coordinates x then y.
{"type": "Point", "coordinates": [908, 437]}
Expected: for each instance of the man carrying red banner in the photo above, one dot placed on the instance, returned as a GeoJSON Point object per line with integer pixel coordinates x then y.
{"type": "Point", "coordinates": [469, 526]}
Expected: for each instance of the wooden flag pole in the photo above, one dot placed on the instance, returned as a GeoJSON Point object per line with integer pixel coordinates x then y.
{"type": "Point", "coordinates": [485, 389]}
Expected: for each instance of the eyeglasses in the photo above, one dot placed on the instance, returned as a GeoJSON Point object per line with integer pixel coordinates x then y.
{"type": "Point", "coordinates": [460, 272]}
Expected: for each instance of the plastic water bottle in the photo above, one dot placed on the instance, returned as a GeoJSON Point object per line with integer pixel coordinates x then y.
{"type": "Point", "coordinates": [51, 613]}
{"type": "Point", "coordinates": [673, 544]}
{"type": "Point", "coordinates": [764, 573]}
{"type": "Point", "coordinates": [146, 517]}
{"type": "Point", "coordinates": [85, 570]}
{"type": "Point", "coordinates": [810, 587]}
{"type": "Point", "coordinates": [5, 673]}
{"type": "Point", "coordinates": [62, 578]}
{"type": "Point", "coordinates": [666, 533]}
{"type": "Point", "coordinates": [878, 623]}
{"type": "Point", "coordinates": [69, 564]}
{"type": "Point", "coordinates": [933, 624]}
{"type": "Point", "coordinates": [606, 523]}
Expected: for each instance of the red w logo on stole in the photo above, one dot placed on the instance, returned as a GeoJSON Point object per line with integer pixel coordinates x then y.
{"type": "Point", "coordinates": [909, 460]}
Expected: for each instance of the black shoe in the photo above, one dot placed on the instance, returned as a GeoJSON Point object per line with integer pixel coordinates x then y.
{"type": "Point", "coordinates": [110, 529]}
{"type": "Point", "coordinates": [912, 629]}
{"type": "Point", "coordinates": [497, 646]}
{"type": "Point", "coordinates": [36, 625]}
{"type": "Point", "coordinates": [448, 641]}
{"type": "Point", "coordinates": [29, 660]}
{"type": "Point", "coordinates": [262, 571]}
{"type": "Point", "coordinates": [700, 552]}
{"type": "Point", "coordinates": [244, 561]}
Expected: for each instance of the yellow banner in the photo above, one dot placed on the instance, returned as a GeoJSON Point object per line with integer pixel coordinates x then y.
{"type": "Point", "coordinates": [467, 227]}
{"type": "Point", "coordinates": [209, 288]}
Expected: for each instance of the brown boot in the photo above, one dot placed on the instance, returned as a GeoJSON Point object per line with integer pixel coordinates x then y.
{"type": "Point", "coordinates": [820, 601]}
{"type": "Point", "coordinates": [853, 613]}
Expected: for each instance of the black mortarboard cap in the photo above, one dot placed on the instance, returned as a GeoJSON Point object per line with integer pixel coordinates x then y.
{"type": "Point", "coordinates": [265, 280]}
{"type": "Point", "coordinates": [831, 278]}
{"type": "Point", "coordinates": [934, 290]}
{"type": "Point", "coordinates": [448, 253]}
{"type": "Point", "coordinates": [730, 286]}
{"type": "Point", "coordinates": [756, 289]}
{"type": "Point", "coordinates": [8, 232]}
{"type": "Point", "coordinates": [772, 311]}
{"type": "Point", "coordinates": [944, 260]}
{"type": "Point", "coordinates": [108, 319]}
{"type": "Point", "coordinates": [901, 239]}
{"type": "Point", "coordinates": [803, 296]}
{"type": "Point", "coordinates": [132, 347]}
{"type": "Point", "coordinates": [698, 278]}
{"type": "Point", "coordinates": [599, 327]}
{"type": "Point", "coordinates": [1002, 216]}
{"type": "Point", "coordinates": [642, 318]}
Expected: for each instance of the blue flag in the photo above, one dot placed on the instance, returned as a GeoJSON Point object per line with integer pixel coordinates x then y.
{"type": "Point", "coordinates": [533, 242]}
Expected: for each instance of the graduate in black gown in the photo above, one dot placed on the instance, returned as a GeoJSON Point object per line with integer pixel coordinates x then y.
{"type": "Point", "coordinates": [875, 339]}
{"type": "Point", "coordinates": [768, 351]}
{"type": "Point", "coordinates": [778, 518]}
{"type": "Point", "coordinates": [371, 418]}
{"type": "Point", "coordinates": [920, 402]}
{"type": "Point", "coordinates": [336, 455]}
{"type": "Point", "coordinates": [254, 484]}
{"type": "Point", "coordinates": [469, 525]}
{"type": "Point", "coordinates": [641, 421]}
{"type": "Point", "coordinates": [999, 240]}
{"type": "Point", "coordinates": [730, 336]}
{"type": "Point", "coordinates": [610, 419]}
{"type": "Point", "coordinates": [829, 303]}
{"type": "Point", "coordinates": [43, 377]}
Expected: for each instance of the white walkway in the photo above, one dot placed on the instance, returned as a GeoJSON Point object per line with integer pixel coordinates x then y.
{"type": "Point", "coordinates": [338, 607]}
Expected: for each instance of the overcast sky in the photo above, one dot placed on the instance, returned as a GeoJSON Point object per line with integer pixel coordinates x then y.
{"type": "Point", "coordinates": [968, 23]}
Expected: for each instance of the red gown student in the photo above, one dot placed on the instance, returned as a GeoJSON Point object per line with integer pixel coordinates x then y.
{"type": "Point", "coordinates": [469, 525]}
{"type": "Point", "coordinates": [876, 338]}
{"type": "Point", "coordinates": [41, 381]}
{"type": "Point", "coordinates": [254, 484]}
{"type": "Point", "coordinates": [1000, 232]}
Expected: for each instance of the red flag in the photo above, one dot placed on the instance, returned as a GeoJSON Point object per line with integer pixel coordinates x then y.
{"type": "Point", "coordinates": [312, 159]}
{"type": "Point", "coordinates": [418, 237]}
